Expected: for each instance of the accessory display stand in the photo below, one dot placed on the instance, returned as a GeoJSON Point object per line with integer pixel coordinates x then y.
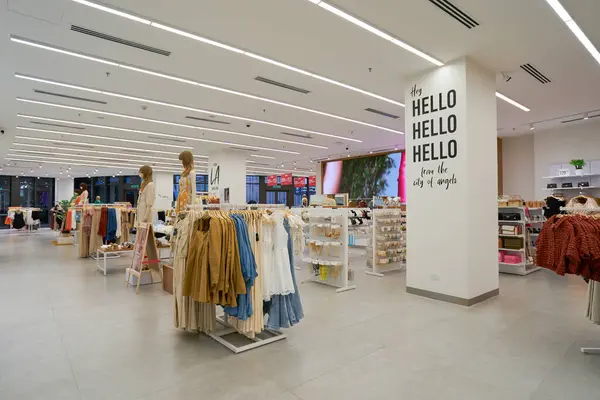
{"type": "Point", "coordinates": [525, 267]}
{"type": "Point", "coordinates": [328, 248]}
{"type": "Point", "coordinates": [387, 250]}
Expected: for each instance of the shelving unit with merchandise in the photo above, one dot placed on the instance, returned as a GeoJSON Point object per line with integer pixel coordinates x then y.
{"type": "Point", "coordinates": [515, 252]}
{"type": "Point", "coordinates": [387, 250]}
{"type": "Point", "coordinates": [327, 244]}
{"type": "Point", "coordinates": [571, 181]}
{"type": "Point", "coordinates": [359, 227]}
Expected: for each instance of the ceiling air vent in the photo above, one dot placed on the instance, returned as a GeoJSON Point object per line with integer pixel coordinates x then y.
{"type": "Point", "coordinates": [208, 120]}
{"type": "Point", "coordinates": [298, 135]}
{"type": "Point", "coordinates": [115, 39]}
{"type": "Point", "coordinates": [455, 12]}
{"type": "Point", "coordinates": [56, 125]}
{"type": "Point", "coordinates": [282, 85]}
{"type": "Point", "coordinates": [382, 113]}
{"type": "Point", "coordinates": [66, 96]}
{"type": "Point", "coordinates": [533, 71]}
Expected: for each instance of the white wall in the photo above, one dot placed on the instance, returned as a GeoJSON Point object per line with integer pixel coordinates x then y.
{"type": "Point", "coordinates": [518, 167]}
{"type": "Point", "coordinates": [163, 185]}
{"type": "Point", "coordinates": [577, 140]}
{"type": "Point", "coordinates": [64, 189]}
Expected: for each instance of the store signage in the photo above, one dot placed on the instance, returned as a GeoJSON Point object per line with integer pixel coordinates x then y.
{"type": "Point", "coordinates": [286, 179]}
{"type": "Point", "coordinates": [215, 171]}
{"type": "Point", "coordinates": [299, 182]}
{"type": "Point", "coordinates": [434, 123]}
{"type": "Point", "coordinates": [272, 180]}
{"type": "Point", "coordinates": [312, 180]}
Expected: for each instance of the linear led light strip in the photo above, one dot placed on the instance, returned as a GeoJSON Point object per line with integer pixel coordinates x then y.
{"type": "Point", "coordinates": [389, 38]}
{"type": "Point", "coordinates": [193, 83]}
{"type": "Point", "coordinates": [261, 156]}
{"type": "Point", "coordinates": [66, 160]}
{"type": "Point", "coordinates": [166, 164]}
{"type": "Point", "coordinates": [19, 157]}
{"type": "Point", "coordinates": [140, 131]}
{"type": "Point", "coordinates": [178, 106]}
{"type": "Point", "coordinates": [274, 169]}
{"type": "Point", "coordinates": [570, 22]}
{"type": "Point", "coordinates": [103, 137]}
{"type": "Point", "coordinates": [144, 132]}
{"type": "Point", "coordinates": [275, 172]}
{"type": "Point", "coordinates": [160, 122]}
{"type": "Point", "coordinates": [233, 49]}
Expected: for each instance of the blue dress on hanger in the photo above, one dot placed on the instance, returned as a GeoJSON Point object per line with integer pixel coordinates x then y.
{"type": "Point", "coordinates": [243, 310]}
{"type": "Point", "coordinates": [286, 311]}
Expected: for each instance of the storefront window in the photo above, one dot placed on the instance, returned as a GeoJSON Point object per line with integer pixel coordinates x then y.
{"type": "Point", "coordinates": [202, 183]}
{"type": "Point", "coordinates": [252, 188]}
{"type": "Point", "coordinates": [4, 199]}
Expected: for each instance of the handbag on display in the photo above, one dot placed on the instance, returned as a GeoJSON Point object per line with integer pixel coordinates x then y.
{"type": "Point", "coordinates": [510, 216]}
{"type": "Point", "coordinates": [567, 185]}
{"type": "Point", "coordinates": [583, 184]}
{"type": "Point", "coordinates": [551, 186]}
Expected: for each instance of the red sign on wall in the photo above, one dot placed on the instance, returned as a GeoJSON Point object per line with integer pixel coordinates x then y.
{"type": "Point", "coordinates": [312, 180]}
{"type": "Point", "coordinates": [272, 180]}
{"type": "Point", "coordinates": [286, 179]}
{"type": "Point", "coordinates": [299, 181]}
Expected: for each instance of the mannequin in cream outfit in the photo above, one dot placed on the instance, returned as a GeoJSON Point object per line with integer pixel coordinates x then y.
{"type": "Point", "coordinates": [146, 195]}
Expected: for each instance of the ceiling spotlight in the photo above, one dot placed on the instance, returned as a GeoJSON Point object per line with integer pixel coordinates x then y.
{"type": "Point", "coordinates": [31, 170]}
{"type": "Point", "coordinates": [586, 116]}
{"type": "Point", "coordinates": [113, 176]}
{"type": "Point", "coordinates": [46, 174]}
{"type": "Point", "coordinates": [531, 127]}
{"type": "Point", "coordinates": [38, 177]}
{"type": "Point", "coordinates": [22, 173]}
{"type": "Point", "coordinates": [329, 158]}
{"type": "Point", "coordinates": [61, 172]}
{"type": "Point", "coordinates": [395, 148]}
{"type": "Point", "coordinates": [68, 176]}
{"type": "Point", "coordinates": [371, 152]}
{"type": "Point", "coordinates": [348, 155]}
{"type": "Point", "coordinates": [58, 179]}
{"type": "Point", "coordinates": [295, 167]}
{"type": "Point", "coordinates": [40, 166]}
{"type": "Point", "coordinates": [120, 171]}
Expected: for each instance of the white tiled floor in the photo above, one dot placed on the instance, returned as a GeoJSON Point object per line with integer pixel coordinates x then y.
{"type": "Point", "coordinates": [67, 332]}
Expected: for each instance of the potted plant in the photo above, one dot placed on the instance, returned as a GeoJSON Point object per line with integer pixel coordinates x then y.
{"type": "Point", "coordinates": [578, 164]}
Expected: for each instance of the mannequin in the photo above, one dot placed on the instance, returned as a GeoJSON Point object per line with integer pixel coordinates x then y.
{"type": "Point", "coordinates": [146, 195]}
{"type": "Point", "coordinates": [187, 182]}
{"type": "Point", "coordinates": [83, 197]}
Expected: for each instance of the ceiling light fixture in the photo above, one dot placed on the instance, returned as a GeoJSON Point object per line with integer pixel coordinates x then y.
{"type": "Point", "coordinates": [512, 102]}
{"type": "Point", "coordinates": [104, 137]}
{"type": "Point", "coordinates": [200, 84]}
{"type": "Point", "coordinates": [92, 162]}
{"type": "Point", "coordinates": [572, 25]}
{"type": "Point", "coordinates": [178, 106]}
{"type": "Point", "coordinates": [234, 49]}
{"type": "Point", "coordinates": [531, 127]}
{"type": "Point", "coordinates": [21, 158]}
{"type": "Point", "coordinates": [131, 157]}
{"type": "Point", "coordinates": [376, 31]}
{"type": "Point", "coordinates": [128, 158]}
{"type": "Point", "coordinates": [261, 156]}
{"type": "Point", "coordinates": [586, 116]}
{"type": "Point", "coordinates": [144, 132]}
{"type": "Point", "coordinates": [164, 123]}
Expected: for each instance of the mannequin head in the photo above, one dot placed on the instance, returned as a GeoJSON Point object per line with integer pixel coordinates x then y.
{"type": "Point", "coordinates": [187, 160]}
{"type": "Point", "coordinates": [83, 187]}
{"type": "Point", "coordinates": [146, 175]}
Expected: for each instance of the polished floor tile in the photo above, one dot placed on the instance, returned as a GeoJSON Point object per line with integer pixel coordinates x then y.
{"type": "Point", "coordinates": [68, 332]}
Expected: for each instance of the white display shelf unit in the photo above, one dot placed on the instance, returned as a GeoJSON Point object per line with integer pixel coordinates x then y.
{"type": "Point", "coordinates": [359, 233]}
{"type": "Point", "coordinates": [388, 235]}
{"type": "Point", "coordinates": [525, 267]}
{"type": "Point", "coordinates": [560, 173]}
{"type": "Point", "coordinates": [327, 256]}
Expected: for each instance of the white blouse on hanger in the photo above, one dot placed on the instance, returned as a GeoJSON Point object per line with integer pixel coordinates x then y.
{"type": "Point", "coordinates": [145, 204]}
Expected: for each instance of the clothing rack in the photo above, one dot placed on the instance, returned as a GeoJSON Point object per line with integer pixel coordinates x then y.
{"type": "Point", "coordinates": [580, 210]}
{"type": "Point", "coordinates": [29, 230]}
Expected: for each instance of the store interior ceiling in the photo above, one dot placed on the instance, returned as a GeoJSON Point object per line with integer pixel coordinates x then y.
{"type": "Point", "coordinates": [102, 88]}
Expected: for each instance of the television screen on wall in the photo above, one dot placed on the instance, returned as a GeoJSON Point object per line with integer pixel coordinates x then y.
{"type": "Point", "coordinates": [366, 177]}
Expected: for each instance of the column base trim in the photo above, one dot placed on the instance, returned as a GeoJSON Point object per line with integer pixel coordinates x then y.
{"type": "Point", "coordinates": [453, 299]}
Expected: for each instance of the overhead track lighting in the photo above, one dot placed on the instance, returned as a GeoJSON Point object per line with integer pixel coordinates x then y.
{"type": "Point", "coordinates": [128, 158]}
{"type": "Point", "coordinates": [148, 133]}
{"type": "Point", "coordinates": [233, 49]}
{"type": "Point", "coordinates": [572, 25]}
{"type": "Point", "coordinates": [173, 105]}
{"type": "Point", "coordinates": [195, 83]}
{"type": "Point", "coordinates": [586, 116]}
{"type": "Point", "coordinates": [164, 123]}
{"type": "Point", "coordinates": [531, 127]}
{"type": "Point", "coordinates": [24, 159]}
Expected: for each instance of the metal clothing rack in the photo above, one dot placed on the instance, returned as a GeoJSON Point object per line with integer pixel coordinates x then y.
{"type": "Point", "coordinates": [24, 232]}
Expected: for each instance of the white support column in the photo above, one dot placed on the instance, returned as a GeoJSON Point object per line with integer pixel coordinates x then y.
{"type": "Point", "coordinates": [163, 186]}
{"type": "Point", "coordinates": [64, 189]}
{"type": "Point", "coordinates": [227, 174]}
{"type": "Point", "coordinates": [452, 184]}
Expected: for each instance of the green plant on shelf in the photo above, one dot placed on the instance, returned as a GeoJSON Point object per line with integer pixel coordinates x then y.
{"type": "Point", "coordinates": [578, 164]}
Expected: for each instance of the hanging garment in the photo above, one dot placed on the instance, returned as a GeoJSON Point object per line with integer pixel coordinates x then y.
{"type": "Point", "coordinates": [111, 225]}
{"type": "Point", "coordinates": [593, 306]}
{"type": "Point", "coordinates": [118, 220]}
{"type": "Point", "coordinates": [86, 231]}
{"type": "Point", "coordinates": [162, 216]}
{"type": "Point", "coordinates": [35, 216]}
{"type": "Point", "coordinates": [243, 310]}
{"type": "Point", "coordinates": [278, 279]}
{"type": "Point", "coordinates": [189, 314]}
{"type": "Point", "coordinates": [19, 220]}
{"type": "Point", "coordinates": [145, 203]}
{"type": "Point", "coordinates": [553, 205]}
{"type": "Point", "coordinates": [102, 227]}
{"type": "Point", "coordinates": [187, 191]}
{"type": "Point", "coordinates": [95, 237]}
{"type": "Point", "coordinates": [286, 310]}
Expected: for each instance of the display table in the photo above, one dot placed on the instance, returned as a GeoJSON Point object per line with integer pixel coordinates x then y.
{"type": "Point", "coordinates": [106, 254]}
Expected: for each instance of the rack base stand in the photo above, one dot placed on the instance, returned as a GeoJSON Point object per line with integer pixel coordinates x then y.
{"type": "Point", "coordinates": [345, 288]}
{"type": "Point", "coordinates": [590, 350]}
{"type": "Point", "coordinates": [271, 336]}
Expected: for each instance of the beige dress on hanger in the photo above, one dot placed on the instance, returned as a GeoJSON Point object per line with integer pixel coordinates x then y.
{"type": "Point", "coordinates": [145, 204]}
